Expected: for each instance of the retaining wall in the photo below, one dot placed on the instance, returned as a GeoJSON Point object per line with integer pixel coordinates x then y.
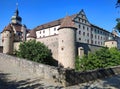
{"type": "Point", "coordinates": [66, 76]}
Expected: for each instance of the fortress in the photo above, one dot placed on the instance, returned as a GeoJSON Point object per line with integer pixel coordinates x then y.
{"type": "Point", "coordinates": [66, 37]}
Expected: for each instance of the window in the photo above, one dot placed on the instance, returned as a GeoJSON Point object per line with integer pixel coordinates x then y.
{"type": "Point", "coordinates": [54, 29]}
{"type": "Point", "coordinates": [95, 36]}
{"type": "Point", "coordinates": [88, 34]}
{"type": "Point", "coordinates": [98, 42]}
{"type": "Point", "coordinates": [62, 48]}
{"type": "Point", "coordinates": [83, 33]}
{"type": "Point", "coordinates": [92, 41]}
{"type": "Point", "coordinates": [98, 37]}
{"type": "Point", "coordinates": [79, 26]}
{"type": "Point", "coordinates": [43, 31]}
{"type": "Point", "coordinates": [98, 31]}
{"type": "Point", "coordinates": [91, 35]}
{"type": "Point", "coordinates": [87, 28]}
{"type": "Point", "coordinates": [79, 32]}
{"type": "Point", "coordinates": [95, 30]}
{"type": "Point", "coordinates": [79, 19]}
{"type": "Point", "coordinates": [83, 27]}
{"type": "Point", "coordinates": [87, 41]}
{"type": "Point", "coordinates": [91, 29]}
{"type": "Point", "coordinates": [82, 20]}
{"type": "Point", "coordinates": [79, 38]}
{"type": "Point", "coordinates": [95, 42]}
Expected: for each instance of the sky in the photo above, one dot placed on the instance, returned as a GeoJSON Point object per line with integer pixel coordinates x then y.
{"type": "Point", "coordinates": [101, 13]}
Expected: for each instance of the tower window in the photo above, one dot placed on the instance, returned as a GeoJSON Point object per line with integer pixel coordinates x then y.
{"type": "Point", "coordinates": [79, 38]}
{"type": "Point", "coordinates": [62, 48]}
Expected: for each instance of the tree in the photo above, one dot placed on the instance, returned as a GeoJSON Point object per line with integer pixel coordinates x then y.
{"type": "Point", "coordinates": [118, 19]}
{"type": "Point", "coordinates": [102, 58]}
{"type": "Point", "coordinates": [118, 24]}
{"type": "Point", "coordinates": [35, 51]}
{"type": "Point", "coordinates": [118, 4]}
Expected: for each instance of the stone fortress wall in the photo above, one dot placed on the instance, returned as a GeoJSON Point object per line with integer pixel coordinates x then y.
{"type": "Point", "coordinates": [52, 43]}
{"type": "Point", "coordinates": [65, 76]}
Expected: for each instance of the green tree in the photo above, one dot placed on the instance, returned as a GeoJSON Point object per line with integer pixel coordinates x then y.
{"type": "Point", "coordinates": [118, 19]}
{"type": "Point", "coordinates": [102, 58]}
{"type": "Point", "coordinates": [35, 51]}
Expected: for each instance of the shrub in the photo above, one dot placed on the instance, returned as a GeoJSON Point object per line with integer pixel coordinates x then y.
{"type": "Point", "coordinates": [102, 58]}
{"type": "Point", "coordinates": [35, 51]}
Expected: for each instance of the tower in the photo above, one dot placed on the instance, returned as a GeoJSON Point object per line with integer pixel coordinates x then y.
{"type": "Point", "coordinates": [66, 42]}
{"type": "Point", "coordinates": [8, 39]}
{"type": "Point", "coordinates": [24, 31]}
{"type": "Point", "coordinates": [111, 42]}
{"type": "Point", "coordinates": [16, 19]}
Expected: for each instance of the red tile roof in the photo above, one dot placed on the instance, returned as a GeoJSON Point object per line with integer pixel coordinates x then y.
{"type": "Point", "coordinates": [17, 27]}
{"type": "Point", "coordinates": [8, 28]}
{"type": "Point", "coordinates": [32, 34]}
{"type": "Point", "coordinates": [67, 22]}
{"type": "Point", "coordinates": [53, 23]}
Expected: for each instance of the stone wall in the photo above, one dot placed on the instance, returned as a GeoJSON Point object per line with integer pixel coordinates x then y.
{"type": "Point", "coordinates": [67, 77]}
{"type": "Point", "coordinates": [72, 77]}
{"type": "Point", "coordinates": [52, 43]}
{"type": "Point", "coordinates": [41, 70]}
{"type": "Point", "coordinates": [87, 47]}
{"type": "Point", "coordinates": [16, 45]}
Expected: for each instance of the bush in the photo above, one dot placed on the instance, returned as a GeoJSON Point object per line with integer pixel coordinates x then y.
{"type": "Point", "coordinates": [102, 58]}
{"type": "Point", "coordinates": [35, 51]}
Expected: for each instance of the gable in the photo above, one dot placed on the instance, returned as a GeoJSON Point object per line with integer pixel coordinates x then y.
{"type": "Point", "coordinates": [81, 18]}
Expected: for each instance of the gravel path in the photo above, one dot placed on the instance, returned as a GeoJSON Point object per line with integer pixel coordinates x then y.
{"type": "Point", "coordinates": [13, 77]}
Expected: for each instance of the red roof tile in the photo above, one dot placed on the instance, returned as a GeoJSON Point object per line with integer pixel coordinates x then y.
{"type": "Point", "coordinates": [32, 34]}
{"type": "Point", "coordinates": [51, 24]}
{"type": "Point", "coordinates": [17, 27]}
{"type": "Point", "coordinates": [67, 22]}
{"type": "Point", "coordinates": [8, 28]}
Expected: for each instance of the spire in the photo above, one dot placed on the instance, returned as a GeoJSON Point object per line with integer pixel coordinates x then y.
{"type": "Point", "coordinates": [16, 19]}
{"type": "Point", "coordinates": [16, 12]}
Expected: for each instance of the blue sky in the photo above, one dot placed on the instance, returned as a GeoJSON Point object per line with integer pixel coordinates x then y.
{"type": "Point", "coordinates": [36, 12]}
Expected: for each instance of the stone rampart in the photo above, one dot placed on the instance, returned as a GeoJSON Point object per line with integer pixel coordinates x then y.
{"type": "Point", "coordinates": [65, 76]}
{"type": "Point", "coordinates": [41, 70]}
